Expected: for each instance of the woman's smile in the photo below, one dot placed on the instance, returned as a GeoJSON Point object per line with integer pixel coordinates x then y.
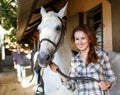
{"type": "Point", "coordinates": [81, 41]}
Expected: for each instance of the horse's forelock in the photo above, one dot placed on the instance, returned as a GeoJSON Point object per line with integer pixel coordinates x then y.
{"type": "Point", "coordinates": [49, 14]}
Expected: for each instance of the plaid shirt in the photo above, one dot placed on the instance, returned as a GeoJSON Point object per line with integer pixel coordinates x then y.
{"type": "Point", "coordinates": [101, 71]}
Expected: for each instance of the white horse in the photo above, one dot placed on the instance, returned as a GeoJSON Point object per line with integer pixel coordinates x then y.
{"type": "Point", "coordinates": [115, 61]}
{"type": "Point", "coordinates": [51, 35]}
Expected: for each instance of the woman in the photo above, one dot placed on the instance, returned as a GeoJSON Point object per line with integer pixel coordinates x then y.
{"type": "Point", "coordinates": [89, 62]}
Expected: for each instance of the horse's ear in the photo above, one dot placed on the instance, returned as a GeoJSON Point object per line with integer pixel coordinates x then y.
{"type": "Point", "coordinates": [63, 11]}
{"type": "Point", "coordinates": [43, 11]}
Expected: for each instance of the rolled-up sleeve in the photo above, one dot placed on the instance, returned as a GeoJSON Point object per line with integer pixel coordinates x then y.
{"type": "Point", "coordinates": [108, 69]}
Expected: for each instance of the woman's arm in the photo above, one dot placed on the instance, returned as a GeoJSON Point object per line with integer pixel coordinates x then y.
{"type": "Point", "coordinates": [70, 84]}
{"type": "Point", "coordinates": [55, 68]}
{"type": "Point", "coordinates": [110, 77]}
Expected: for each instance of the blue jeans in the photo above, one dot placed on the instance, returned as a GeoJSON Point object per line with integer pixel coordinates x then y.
{"type": "Point", "coordinates": [21, 73]}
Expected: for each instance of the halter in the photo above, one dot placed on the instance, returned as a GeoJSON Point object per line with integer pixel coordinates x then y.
{"type": "Point", "coordinates": [59, 42]}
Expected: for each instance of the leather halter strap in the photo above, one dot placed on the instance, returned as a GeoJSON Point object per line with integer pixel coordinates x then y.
{"type": "Point", "coordinates": [55, 45]}
{"type": "Point", "coordinates": [45, 39]}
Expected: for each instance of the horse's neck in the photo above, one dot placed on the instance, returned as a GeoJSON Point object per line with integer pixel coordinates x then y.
{"type": "Point", "coordinates": [63, 56]}
{"type": "Point", "coordinates": [51, 79]}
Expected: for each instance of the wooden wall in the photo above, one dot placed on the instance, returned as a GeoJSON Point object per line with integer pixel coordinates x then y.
{"type": "Point", "coordinates": [76, 6]}
{"type": "Point", "coordinates": [72, 22]}
{"type": "Point", "coordinates": [115, 6]}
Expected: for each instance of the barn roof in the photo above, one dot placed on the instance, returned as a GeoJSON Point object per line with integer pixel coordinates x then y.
{"type": "Point", "coordinates": [28, 18]}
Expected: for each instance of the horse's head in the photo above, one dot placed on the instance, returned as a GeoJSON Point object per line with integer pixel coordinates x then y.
{"type": "Point", "coordinates": [50, 35]}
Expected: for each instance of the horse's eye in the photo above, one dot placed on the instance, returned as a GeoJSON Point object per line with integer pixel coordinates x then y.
{"type": "Point", "coordinates": [58, 28]}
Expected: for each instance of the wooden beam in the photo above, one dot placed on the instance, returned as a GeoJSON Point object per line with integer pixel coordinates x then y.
{"type": "Point", "coordinates": [49, 5]}
{"type": "Point", "coordinates": [34, 22]}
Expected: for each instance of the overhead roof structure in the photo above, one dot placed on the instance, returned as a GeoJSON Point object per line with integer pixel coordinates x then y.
{"type": "Point", "coordinates": [28, 18]}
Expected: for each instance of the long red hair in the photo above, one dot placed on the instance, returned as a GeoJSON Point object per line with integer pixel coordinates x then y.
{"type": "Point", "coordinates": [92, 56]}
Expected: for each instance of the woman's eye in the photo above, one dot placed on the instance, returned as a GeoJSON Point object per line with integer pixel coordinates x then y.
{"type": "Point", "coordinates": [83, 38]}
{"type": "Point", "coordinates": [76, 38]}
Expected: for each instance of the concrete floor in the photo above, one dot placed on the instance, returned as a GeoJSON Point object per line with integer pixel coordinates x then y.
{"type": "Point", "coordinates": [10, 86]}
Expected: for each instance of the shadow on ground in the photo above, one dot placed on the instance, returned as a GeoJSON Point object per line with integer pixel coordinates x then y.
{"type": "Point", "coordinates": [10, 86]}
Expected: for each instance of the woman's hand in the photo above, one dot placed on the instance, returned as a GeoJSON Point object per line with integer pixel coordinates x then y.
{"type": "Point", "coordinates": [104, 85]}
{"type": "Point", "coordinates": [53, 67]}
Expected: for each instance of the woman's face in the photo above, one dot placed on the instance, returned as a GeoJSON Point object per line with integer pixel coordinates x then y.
{"type": "Point", "coordinates": [81, 41]}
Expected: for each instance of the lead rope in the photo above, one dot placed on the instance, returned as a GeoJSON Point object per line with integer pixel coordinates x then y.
{"type": "Point", "coordinates": [40, 87]}
{"type": "Point", "coordinates": [79, 78]}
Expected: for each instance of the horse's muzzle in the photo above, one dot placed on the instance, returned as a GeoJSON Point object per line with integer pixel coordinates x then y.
{"type": "Point", "coordinates": [44, 59]}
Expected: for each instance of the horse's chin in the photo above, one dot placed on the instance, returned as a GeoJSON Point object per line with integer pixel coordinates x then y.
{"type": "Point", "coordinates": [44, 64]}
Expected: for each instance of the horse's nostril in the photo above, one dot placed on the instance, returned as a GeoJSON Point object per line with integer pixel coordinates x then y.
{"type": "Point", "coordinates": [44, 57]}
{"type": "Point", "coordinates": [47, 57]}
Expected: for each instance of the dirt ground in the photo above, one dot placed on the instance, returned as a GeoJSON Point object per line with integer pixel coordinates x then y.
{"type": "Point", "coordinates": [10, 86]}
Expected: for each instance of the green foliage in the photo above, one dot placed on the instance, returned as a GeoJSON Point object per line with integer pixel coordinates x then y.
{"type": "Point", "coordinates": [8, 13]}
{"type": "Point", "coordinates": [8, 20]}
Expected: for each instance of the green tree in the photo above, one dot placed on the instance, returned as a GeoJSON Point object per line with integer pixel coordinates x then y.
{"type": "Point", "coordinates": [8, 11]}
{"type": "Point", "coordinates": [8, 16]}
